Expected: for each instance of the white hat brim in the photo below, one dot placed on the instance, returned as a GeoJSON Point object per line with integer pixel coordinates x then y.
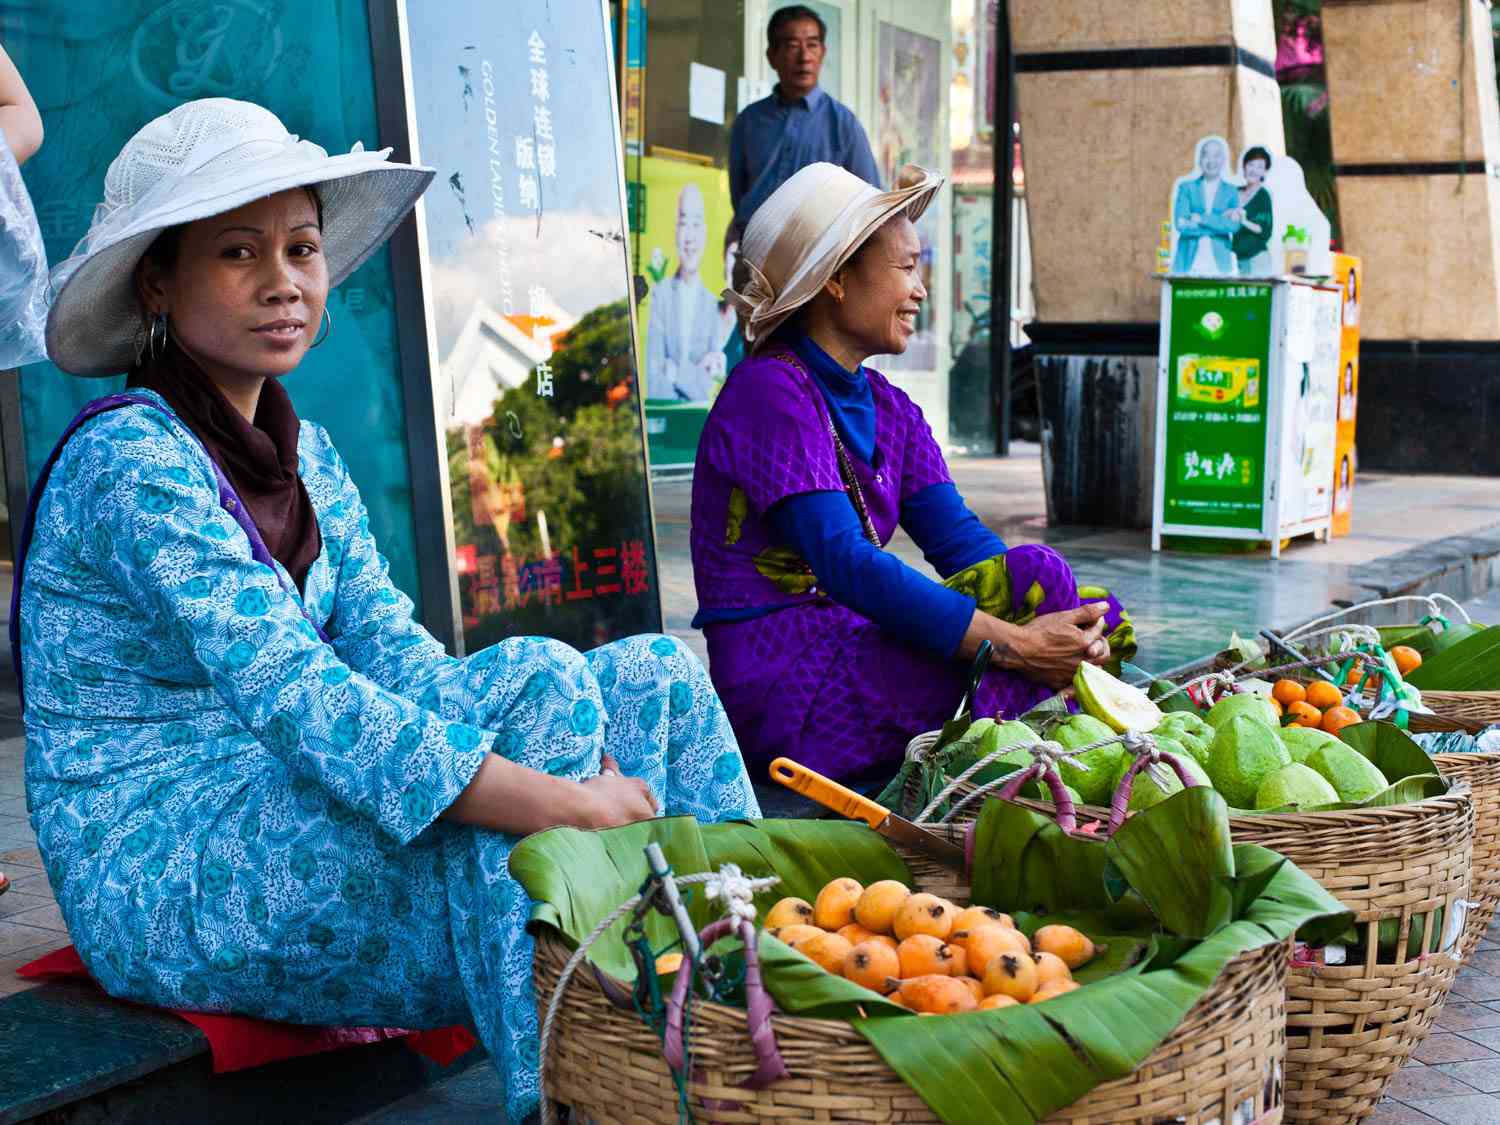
{"type": "Point", "coordinates": [95, 319]}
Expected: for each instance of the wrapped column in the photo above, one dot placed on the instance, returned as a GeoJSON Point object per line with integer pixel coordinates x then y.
{"type": "Point", "coordinates": [1416, 130]}
{"type": "Point", "coordinates": [1112, 100]}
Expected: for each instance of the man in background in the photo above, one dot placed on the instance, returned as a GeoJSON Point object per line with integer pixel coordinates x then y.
{"type": "Point", "coordinates": [798, 125]}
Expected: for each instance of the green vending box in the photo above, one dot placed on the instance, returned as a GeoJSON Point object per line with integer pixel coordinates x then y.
{"type": "Point", "coordinates": [1247, 386]}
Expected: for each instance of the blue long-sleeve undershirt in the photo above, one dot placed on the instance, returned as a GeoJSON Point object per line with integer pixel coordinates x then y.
{"type": "Point", "coordinates": [824, 529]}
{"type": "Point", "coordinates": [950, 535]}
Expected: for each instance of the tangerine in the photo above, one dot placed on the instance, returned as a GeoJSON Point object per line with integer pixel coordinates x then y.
{"type": "Point", "coordinates": [1336, 719]}
{"type": "Point", "coordinates": [1287, 692]}
{"type": "Point", "coordinates": [1276, 706]}
{"type": "Point", "coordinates": [1305, 715]}
{"type": "Point", "coordinates": [1323, 695]}
{"type": "Point", "coordinates": [1406, 658]}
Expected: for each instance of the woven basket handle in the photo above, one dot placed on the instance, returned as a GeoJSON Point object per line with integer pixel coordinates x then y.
{"type": "Point", "coordinates": [758, 1007]}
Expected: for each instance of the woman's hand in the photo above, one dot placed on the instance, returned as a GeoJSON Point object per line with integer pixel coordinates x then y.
{"type": "Point", "coordinates": [505, 796]}
{"type": "Point", "coordinates": [612, 799]}
{"type": "Point", "coordinates": [1049, 649]}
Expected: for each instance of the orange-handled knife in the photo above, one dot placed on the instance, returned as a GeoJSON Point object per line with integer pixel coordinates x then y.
{"type": "Point", "coordinates": [846, 802]}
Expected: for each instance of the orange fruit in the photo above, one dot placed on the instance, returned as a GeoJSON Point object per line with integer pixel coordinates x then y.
{"type": "Point", "coordinates": [924, 955]}
{"type": "Point", "coordinates": [1323, 695]}
{"type": "Point", "coordinates": [1013, 975]}
{"type": "Point", "coordinates": [924, 914]}
{"type": "Point", "coordinates": [1406, 658]}
{"type": "Point", "coordinates": [834, 907]}
{"type": "Point", "coordinates": [1287, 692]}
{"type": "Point", "coordinates": [1354, 675]}
{"type": "Point", "coordinates": [1276, 706]}
{"type": "Point", "coordinates": [1305, 715]}
{"type": "Point", "coordinates": [998, 1000]}
{"type": "Point", "coordinates": [1336, 719]}
{"type": "Point", "coordinates": [871, 964]}
{"type": "Point", "coordinates": [1074, 947]}
{"type": "Point", "coordinates": [936, 995]}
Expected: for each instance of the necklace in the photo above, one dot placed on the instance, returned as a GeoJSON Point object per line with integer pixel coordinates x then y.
{"type": "Point", "coordinates": [846, 466]}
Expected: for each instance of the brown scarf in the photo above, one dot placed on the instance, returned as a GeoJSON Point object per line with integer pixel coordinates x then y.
{"type": "Point", "coordinates": [260, 460]}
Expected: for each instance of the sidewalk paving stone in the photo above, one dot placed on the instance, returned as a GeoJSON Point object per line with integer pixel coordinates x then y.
{"type": "Point", "coordinates": [1467, 1109]}
{"type": "Point", "coordinates": [1446, 1047]}
{"type": "Point", "coordinates": [1394, 1113]}
{"type": "Point", "coordinates": [1465, 1016]}
{"type": "Point", "coordinates": [1483, 1075]}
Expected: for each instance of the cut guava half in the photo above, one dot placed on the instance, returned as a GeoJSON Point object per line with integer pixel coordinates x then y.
{"type": "Point", "coordinates": [1117, 704]}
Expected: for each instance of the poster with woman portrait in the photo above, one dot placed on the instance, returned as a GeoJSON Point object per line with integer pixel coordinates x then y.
{"type": "Point", "coordinates": [684, 323]}
{"type": "Point", "coordinates": [1349, 272]}
{"type": "Point", "coordinates": [906, 132]}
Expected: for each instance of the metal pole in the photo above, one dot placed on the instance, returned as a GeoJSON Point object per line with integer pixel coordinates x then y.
{"type": "Point", "coordinates": [427, 452]}
{"type": "Point", "coordinates": [1000, 239]}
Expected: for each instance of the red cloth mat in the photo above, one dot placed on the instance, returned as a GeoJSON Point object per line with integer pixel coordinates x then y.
{"type": "Point", "coordinates": [240, 1042]}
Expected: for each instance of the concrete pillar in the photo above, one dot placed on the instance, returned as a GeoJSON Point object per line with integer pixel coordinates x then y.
{"type": "Point", "coordinates": [1415, 124]}
{"type": "Point", "coordinates": [1416, 128]}
{"type": "Point", "coordinates": [1112, 99]}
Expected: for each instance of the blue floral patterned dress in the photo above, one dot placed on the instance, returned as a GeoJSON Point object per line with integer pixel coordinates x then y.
{"type": "Point", "coordinates": [235, 816]}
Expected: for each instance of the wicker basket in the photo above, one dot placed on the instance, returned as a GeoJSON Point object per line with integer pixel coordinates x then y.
{"type": "Point", "coordinates": [1467, 711]}
{"type": "Point", "coordinates": [1222, 1063]}
{"type": "Point", "coordinates": [1351, 1027]}
{"type": "Point", "coordinates": [1482, 772]}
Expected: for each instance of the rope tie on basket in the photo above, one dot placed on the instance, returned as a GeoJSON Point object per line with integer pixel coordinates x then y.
{"type": "Point", "coordinates": [1225, 679]}
{"type": "Point", "coordinates": [731, 884]}
{"type": "Point", "coordinates": [1429, 600]}
{"type": "Point", "coordinates": [1046, 756]}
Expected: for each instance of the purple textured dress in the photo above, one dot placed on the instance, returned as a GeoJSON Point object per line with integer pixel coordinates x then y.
{"type": "Point", "coordinates": [814, 680]}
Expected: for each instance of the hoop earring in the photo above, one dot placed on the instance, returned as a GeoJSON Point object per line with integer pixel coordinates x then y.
{"type": "Point", "coordinates": [156, 336]}
{"type": "Point", "coordinates": [327, 329]}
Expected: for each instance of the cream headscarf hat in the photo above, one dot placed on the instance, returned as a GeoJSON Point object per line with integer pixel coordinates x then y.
{"type": "Point", "coordinates": [809, 227]}
{"type": "Point", "coordinates": [204, 158]}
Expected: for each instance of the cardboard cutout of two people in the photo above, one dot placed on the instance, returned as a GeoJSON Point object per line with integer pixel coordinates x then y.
{"type": "Point", "coordinates": [1262, 223]}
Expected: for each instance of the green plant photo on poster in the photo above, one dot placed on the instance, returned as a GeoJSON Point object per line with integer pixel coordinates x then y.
{"type": "Point", "coordinates": [538, 392]}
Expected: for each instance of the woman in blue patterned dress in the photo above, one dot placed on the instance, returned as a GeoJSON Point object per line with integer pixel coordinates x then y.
{"type": "Point", "coordinates": [259, 786]}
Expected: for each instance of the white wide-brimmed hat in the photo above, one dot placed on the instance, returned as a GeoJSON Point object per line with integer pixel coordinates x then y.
{"type": "Point", "coordinates": [809, 227]}
{"type": "Point", "coordinates": [201, 159]}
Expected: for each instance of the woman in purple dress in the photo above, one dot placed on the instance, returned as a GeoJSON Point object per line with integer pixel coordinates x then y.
{"type": "Point", "coordinates": [822, 645]}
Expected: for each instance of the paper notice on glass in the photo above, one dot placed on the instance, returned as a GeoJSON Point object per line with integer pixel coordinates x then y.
{"type": "Point", "coordinates": [750, 90]}
{"type": "Point", "coordinates": [706, 93]}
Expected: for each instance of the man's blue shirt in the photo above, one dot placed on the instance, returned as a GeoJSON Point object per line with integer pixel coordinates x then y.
{"type": "Point", "coordinates": [772, 139]}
